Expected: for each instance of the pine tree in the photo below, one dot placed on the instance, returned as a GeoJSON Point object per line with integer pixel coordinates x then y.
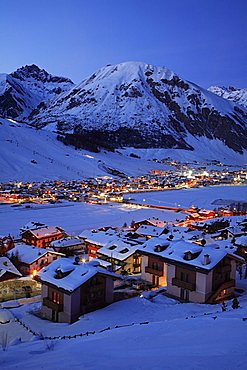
{"type": "Point", "coordinates": [235, 303]}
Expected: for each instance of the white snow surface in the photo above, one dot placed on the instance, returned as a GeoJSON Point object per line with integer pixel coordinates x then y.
{"type": "Point", "coordinates": [20, 144]}
{"type": "Point", "coordinates": [231, 93]}
{"type": "Point", "coordinates": [76, 217]}
{"type": "Point", "coordinates": [195, 335]}
{"type": "Point", "coordinates": [199, 197]}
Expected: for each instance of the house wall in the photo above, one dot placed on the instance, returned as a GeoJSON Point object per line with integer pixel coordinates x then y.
{"type": "Point", "coordinates": [149, 277]}
{"type": "Point", "coordinates": [27, 269]}
{"type": "Point", "coordinates": [109, 285]}
{"type": "Point", "coordinates": [201, 292]}
{"type": "Point", "coordinates": [46, 311]}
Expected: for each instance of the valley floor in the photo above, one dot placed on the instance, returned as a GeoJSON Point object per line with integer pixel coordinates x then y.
{"type": "Point", "coordinates": [200, 197]}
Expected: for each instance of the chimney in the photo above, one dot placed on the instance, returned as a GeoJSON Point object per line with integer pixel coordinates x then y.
{"type": "Point", "coordinates": [206, 259]}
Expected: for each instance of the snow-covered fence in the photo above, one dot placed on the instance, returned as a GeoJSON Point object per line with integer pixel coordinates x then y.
{"type": "Point", "coordinates": [42, 337]}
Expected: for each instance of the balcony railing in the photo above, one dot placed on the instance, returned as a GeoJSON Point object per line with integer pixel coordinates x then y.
{"type": "Point", "coordinates": [184, 284]}
{"type": "Point", "coordinates": [153, 271]}
{"type": "Point", "coordinates": [53, 305]}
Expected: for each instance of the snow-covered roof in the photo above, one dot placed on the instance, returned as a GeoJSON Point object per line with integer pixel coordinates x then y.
{"type": "Point", "coordinates": [32, 225]}
{"type": "Point", "coordinates": [7, 266]}
{"type": "Point", "coordinates": [28, 254]}
{"type": "Point", "coordinates": [149, 230]}
{"type": "Point", "coordinates": [241, 240]}
{"type": "Point", "coordinates": [76, 274]}
{"type": "Point", "coordinates": [66, 242]}
{"type": "Point", "coordinates": [119, 249]}
{"type": "Point", "coordinates": [100, 238]}
{"type": "Point", "coordinates": [176, 250]}
{"type": "Point", "coordinates": [46, 231]}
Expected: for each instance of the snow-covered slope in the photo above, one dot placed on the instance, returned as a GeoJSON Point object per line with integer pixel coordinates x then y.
{"type": "Point", "coordinates": [28, 87]}
{"type": "Point", "coordinates": [137, 104]}
{"type": "Point", "coordinates": [27, 154]}
{"type": "Point", "coordinates": [231, 93]}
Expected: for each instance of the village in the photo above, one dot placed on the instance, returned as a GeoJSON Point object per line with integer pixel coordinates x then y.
{"type": "Point", "coordinates": [113, 189]}
{"type": "Point", "coordinates": [195, 261]}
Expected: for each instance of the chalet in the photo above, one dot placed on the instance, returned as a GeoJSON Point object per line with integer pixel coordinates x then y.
{"type": "Point", "coordinates": [30, 260]}
{"type": "Point", "coordinates": [71, 289]}
{"type": "Point", "coordinates": [123, 256]}
{"type": "Point", "coordinates": [190, 272]}
{"type": "Point", "coordinates": [43, 236]}
{"type": "Point", "coordinates": [211, 226]}
{"type": "Point", "coordinates": [94, 240]}
{"type": "Point", "coordinates": [150, 231]}
{"type": "Point", "coordinates": [241, 244]}
{"type": "Point", "coordinates": [68, 245]}
{"type": "Point", "coordinates": [206, 213]}
{"type": "Point", "coordinates": [150, 222]}
{"type": "Point", "coordinates": [7, 270]}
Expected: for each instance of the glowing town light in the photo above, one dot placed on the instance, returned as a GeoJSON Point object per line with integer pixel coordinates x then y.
{"type": "Point", "coordinates": [34, 273]}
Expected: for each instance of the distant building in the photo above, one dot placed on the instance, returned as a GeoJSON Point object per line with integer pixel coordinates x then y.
{"type": "Point", "coordinates": [68, 245]}
{"type": "Point", "coordinates": [7, 270]}
{"type": "Point", "coordinates": [43, 236]}
{"type": "Point", "coordinates": [30, 259]}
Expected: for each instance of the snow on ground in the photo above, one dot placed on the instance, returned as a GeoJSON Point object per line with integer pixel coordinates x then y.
{"type": "Point", "coordinates": [205, 150]}
{"type": "Point", "coordinates": [200, 197]}
{"type": "Point", "coordinates": [75, 217]}
{"type": "Point", "coordinates": [188, 336]}
{"type": "Point", "coordinates": [27, 154]}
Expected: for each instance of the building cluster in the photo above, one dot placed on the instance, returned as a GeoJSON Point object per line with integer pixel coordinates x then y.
{"type": "Point", "coordinates": [83, 273]}
{"type": "Point", "coordinates": [104, 189]}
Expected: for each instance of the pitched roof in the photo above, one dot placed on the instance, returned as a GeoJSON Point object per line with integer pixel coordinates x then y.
{"type": "Point", "coordinates": [176, 250]}
{"type": "Point", "coordinates": [46, 231]}
{"type": "Point", "coordinates": [7, 266]}
{"type": "Point", "coordinates": [66, 242]}
{"type": "Point", "coordinates": [76, 274]}
{"type": "Point", "coordinates": [28, 254]}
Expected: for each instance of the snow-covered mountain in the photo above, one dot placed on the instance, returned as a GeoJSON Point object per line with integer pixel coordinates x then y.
{"type": "Point", "coordinates": [27, 154]}
{"type": "Point", "coordinates": [137, 104]}
{"type": "Point", "coordinates": [28, 87]}
{"type": "Point", "coordinates": [231, 93]}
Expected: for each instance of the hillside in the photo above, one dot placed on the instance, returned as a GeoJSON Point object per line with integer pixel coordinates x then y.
{"type": "Point", "coordinates": [27, 154]}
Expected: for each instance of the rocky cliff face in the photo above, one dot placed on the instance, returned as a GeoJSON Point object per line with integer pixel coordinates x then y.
{"type": "Point", "coordinates": [231, 93]}
{"type": "Point", "coordinates": [128, 104]}
{"type": "Point", "coordinates": [28, 88]}
{"type": "Point", "coordinates": [145, 106]}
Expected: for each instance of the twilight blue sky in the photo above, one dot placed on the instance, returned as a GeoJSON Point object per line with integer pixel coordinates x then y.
{"type": "Point", "coordinates": [204, 41]}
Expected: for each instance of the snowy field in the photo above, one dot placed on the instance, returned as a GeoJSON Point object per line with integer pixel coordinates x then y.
{"type": "Point", "coordinates": [200, 197]}
{"type": "Point", "coordinates": [174, 336]}
{"type": "Point", "coordinates": [75, 217]}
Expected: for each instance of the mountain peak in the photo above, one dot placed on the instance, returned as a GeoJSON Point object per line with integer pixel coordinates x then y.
{"type": "Point", "coordinates": [231, 93]}
{"type": "Point", "coordinates": [32, 71]}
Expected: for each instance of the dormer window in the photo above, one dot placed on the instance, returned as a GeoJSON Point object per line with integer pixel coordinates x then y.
{"type": "Point", "coordinates": [160, 248]}
{"type": "Point", "coordinates": [190, 255]}
{"type": "Point", "coordinates": [123, 251]}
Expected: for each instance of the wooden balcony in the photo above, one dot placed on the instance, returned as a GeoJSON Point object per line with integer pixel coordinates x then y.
{"type": "Point", "coordinates": [136, 265]}
{"type": "Point", "coordinates": [152, 271]}
{"type": "Point", "coordinates": [184, 284]}
{"type": "Point", "coordinates": [54, 306]}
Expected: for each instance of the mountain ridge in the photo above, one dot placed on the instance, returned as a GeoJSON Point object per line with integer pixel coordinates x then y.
{"type": "Point", "coordinates": [127, 104]}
